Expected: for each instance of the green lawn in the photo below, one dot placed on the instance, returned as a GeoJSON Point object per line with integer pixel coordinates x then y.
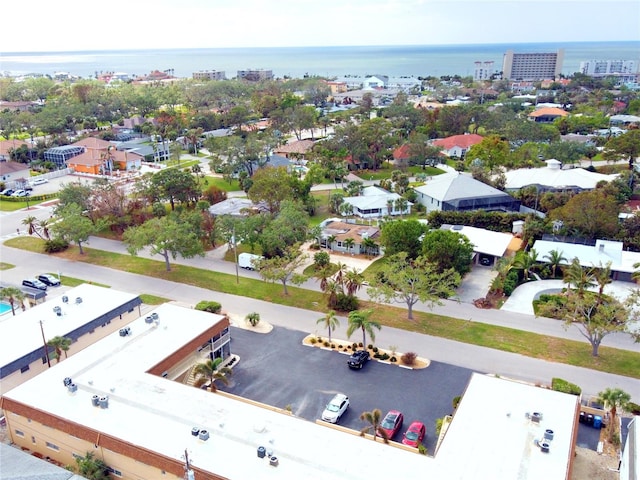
{"type": "Point", "coordinates": [621, 362]}
{"type": "Point", "coordinates": [149, 299]}
{"type": "Point", "coordinates": [6, 266]}
{"type": "Point", "coordinates": [221, 183]}
{"type": "Point", "coordinates": [74, 282]}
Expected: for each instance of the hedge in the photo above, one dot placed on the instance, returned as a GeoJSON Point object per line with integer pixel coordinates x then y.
{"type": "Point", "coordinates": [30, 198]}
{"type": "Point", "coordinates": [560, 385]}
{"type": "Point", "coordinates": [211, 307]}
{"type": "Point", "coordinates": [494, 221]}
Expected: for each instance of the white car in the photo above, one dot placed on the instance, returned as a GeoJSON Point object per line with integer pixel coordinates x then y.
{"type": "Point", "coordinates": [335, 408]}
{"type": "Point", "coordinates": [20, 193]}
{"type": "Point", "coordinates": [38, 181]}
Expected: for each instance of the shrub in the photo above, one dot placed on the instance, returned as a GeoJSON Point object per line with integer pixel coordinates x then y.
{"type": "Point", "coordinates": [384, 356]}
{"type": "Point", "coordinates": [510, 282]}
{"type": "Point", "coordinates": [333, 345]}
{"type": "Point", "coordinates": [560, 385]}
{"type": "Point", "coordinates": [360, 345]}
{"type": "Point", "coordinates": [55, 245]}
{"type": "Point", "coordinates": [393, 359]}
{"type": "Point", "coordinates": [346, 303]}
{"type": "Point", "coordinates": [409, 358]}
{"type": "Point", "coordinates": [456, 401]}
{"type": "Point", "coordinates": [354, 345]}
{"type": "Point", "coordinates": [253, 318]}
{"type": "Point", "coordinates": [313, 341]}
{"type": "Point", "coordinates": [319, 339]}
{"type": "Point", "coordinates": [422, 450]}
{"type": "Point", "coordinates": [439, 422]}
{"type": "Point", "coordinates": [375, 349]}
{"type": "Point", "coordinates": [633, 408]}
{"type": "Point", "coordinates": [370, 347]}
{"type": "Point", "coordinates": [326, 343]}
{"type": "Point", "coordinates": [321, 259]}
{"type": "Point", "coordinates": [209, 306]}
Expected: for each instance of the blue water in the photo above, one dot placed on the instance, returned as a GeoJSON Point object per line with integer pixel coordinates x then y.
{"type": "Point", "coordinates": [4, 308]}
{"type": "Point", "coordinates": [393, 61]}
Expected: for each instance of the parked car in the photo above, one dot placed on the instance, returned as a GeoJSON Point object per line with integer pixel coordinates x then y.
{"type": "Point", "coordinates": [7, 192]}
{"type": "Point", "coordinates": [20, 193]}
{"type": "Point", "coordinates": [34, 283]}
{"type": "Point", "coordinates": [335, 408]}
{"type": "Point", "coordinates": [358, 359]}
{"type": "Point", "coordinates": [414, 434]}
{"type": "Point", "coordinates": [391, 423]}
{"type": "Point", "coordinates": [48, 280]}
{"type": "Point", "coordinates": [38, 181]}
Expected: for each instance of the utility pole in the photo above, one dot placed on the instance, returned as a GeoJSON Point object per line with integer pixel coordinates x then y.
{"type": "Point", "coordinates": [44, 343]}
{"type": "Point", "coordinates": [188, 473]}
{"type": "Point", "coordinates": [235, 252]}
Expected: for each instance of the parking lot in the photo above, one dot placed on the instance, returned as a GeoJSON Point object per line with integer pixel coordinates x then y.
{"type": "Point", "coordinates": [276, 369]}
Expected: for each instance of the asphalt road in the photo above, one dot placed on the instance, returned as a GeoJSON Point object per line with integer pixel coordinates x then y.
{"type": "Point", "coordinates": [277, 369]}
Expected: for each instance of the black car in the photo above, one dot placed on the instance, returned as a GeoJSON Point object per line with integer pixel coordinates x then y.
{"type": "Point", "coordinates": [33, 283]}
{"type": "Point", "coordinates": [48, 280]}
{"type": "Point", "coordinates": [358, 359]}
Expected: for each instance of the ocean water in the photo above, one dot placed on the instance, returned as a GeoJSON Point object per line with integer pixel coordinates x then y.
{"type": "Point", "coordinates": [394, 61]}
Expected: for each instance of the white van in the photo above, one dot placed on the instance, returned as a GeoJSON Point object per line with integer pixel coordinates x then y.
{"type": "Point", "coordinates": [246, 260]}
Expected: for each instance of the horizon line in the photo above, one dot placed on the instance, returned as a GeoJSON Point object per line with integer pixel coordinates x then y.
{"type": "Point", "coordinates": [574, 42]}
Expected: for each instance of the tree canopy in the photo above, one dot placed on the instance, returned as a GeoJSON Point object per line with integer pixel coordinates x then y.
{"type": "Point", "coordinates": [447, 249]}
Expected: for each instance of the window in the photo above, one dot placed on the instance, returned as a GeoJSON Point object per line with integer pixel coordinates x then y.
{"type": "Point", "coordinates": [33, 439]}
{"type": "Point", "coordinates": [117, 473]}
{"type": "Point", "coordinates": [75, 455]}
{"type": "Point", "coordinates": [24, 369]}
{"type": "Point", "coordinates": [53, 446]}
{"type": "Point", "coordinates": [44, 360]}
{"type": "Point", "coordinates": [19, 433]}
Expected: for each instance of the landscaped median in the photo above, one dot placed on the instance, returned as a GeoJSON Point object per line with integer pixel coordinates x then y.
{"type": "Point", "coordinates": [411, 361]}
{"type": "Point", "coordinates": [553, 349]}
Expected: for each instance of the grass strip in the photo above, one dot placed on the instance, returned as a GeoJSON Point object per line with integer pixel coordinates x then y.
{"type": "Point", "coordinates": [149, 299]}
{"type": "Point", "coordinates": [553, 349]}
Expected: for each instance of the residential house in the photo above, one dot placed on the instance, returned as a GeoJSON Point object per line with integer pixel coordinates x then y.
{"type": "Point", "coordinates": [237, 207]}
{"type": "Point", "coordinates": [547, 114]}
{"type": "Point", "coordinates": [345, 237]}
{"type": "Point", "coordinates": [20, 106]}
{"type": "Point", "coordinates": [488, 246]}
{"type": "Point", "coordinates": [376, 202]}
{"type": "Point", "coordinates": [7, 146]}
{"type": "Point", "coordinates": [296, 149]}
{"type": "Point", "coordinates": [554, 178]}
{"type": "Point", "coordinates": [375, 81]}
{"type": "Point", "coordinates": [60, 155]}
{"type": "Point", "coordinates": [150, 152]}
{"type": "Point", "coordinates": [13, 172]}
{"type": "Point", "coordinates": [337, 87]}
{"type": "Point", "coordinates": [599, 253]}
{"type": "Point", "coordinates": [457, 145]}
{"type": "Point", "coordinates": [459, 192]}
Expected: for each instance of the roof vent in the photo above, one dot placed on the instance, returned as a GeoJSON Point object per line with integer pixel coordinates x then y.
{"type": "Point", "coordinates": [65, 299]}
{"type": "Point", "coordinates": [544, 447]}
{"type": "Point", "coordinates": [536, 417]}
{"type": "Point", "coordinates": [78, 300]}
{"type": "Point", "coordinates": [57, 310]}
{"type": "Point", "coordinates": [125, 331]}
{"type": "Point", "coordinates": [95, 400]}
{"type": "Point", "coordinates": [548, 434]}
{"type": "Point", "coordinates": [195, 431]}
{"type": "Point", "coordinates": [73, 388]}
{"type": "Point", "coordinates": [148, 319]}
{"type": "Point", "coordinates": [154, 316]}
{"type": "Point", "coordinates": [67, 381]}
{"type": "Point", "coordinates": [103, 402]}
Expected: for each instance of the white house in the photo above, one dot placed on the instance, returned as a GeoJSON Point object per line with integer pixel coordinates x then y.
{"type": "Point", "coordinates": [553, 177]}
{"type": "Point", "coordinates": [376, 202]}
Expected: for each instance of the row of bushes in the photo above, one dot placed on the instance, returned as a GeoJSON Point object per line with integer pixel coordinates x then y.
{"type": "Point", "coordinates": [495, 221]}
{"type": "Point", "coordinates": [30, 198]}
{"type": "Point", "coordinates": [209, 306]}
{"type": "Point", "coordinates": [560, 385]}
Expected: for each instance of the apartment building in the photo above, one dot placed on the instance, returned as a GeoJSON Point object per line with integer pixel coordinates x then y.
{"type": "Point", "coordinates": [623, 70]}
{"type": "Point", "coordinates": [255, 75]}
{"type": "Point", "coordinates": [532, 66]}
{"type": "Point", "coordinates": [209, 75]}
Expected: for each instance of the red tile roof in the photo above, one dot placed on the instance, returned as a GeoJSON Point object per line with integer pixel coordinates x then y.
{"type": "Point", "coordinates": [402, 152]}
{"type": "Point", "coordinates": [94, 143]}
{"type": "Point", "coordinates": [462, 141]}
{"type": "Point", "coordinates": [13, 167]}
{"type": "Point", "coordinates": [6, 145]}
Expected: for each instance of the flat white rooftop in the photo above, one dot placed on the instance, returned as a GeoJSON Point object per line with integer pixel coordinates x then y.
{"type": "Point", "coordinates": [22, 335]}
{"type": "Point", "coordinates": [158, 414]}
{"type": "Point", "coordinates": [602, 253]}
{"type": "Point", "coordinates": [484, 241]}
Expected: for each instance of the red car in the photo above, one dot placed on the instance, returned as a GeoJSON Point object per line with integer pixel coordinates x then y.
{"type": "Point", "coordinates": [414, 434]}
{"type": "Point", "coordinates": [391, 423]}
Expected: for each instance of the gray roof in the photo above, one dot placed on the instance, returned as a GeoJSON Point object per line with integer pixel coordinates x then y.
{"type": "Point", "coordinates": [18, 465]}
{"type": "Point", "coordinates": [455, 186]}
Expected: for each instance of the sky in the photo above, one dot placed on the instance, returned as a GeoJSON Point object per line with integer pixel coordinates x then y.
{"type": "Point", "coordinates": [70, 25]}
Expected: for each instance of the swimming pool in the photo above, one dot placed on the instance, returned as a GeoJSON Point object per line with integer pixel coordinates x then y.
{"type": "Point", "coordinates": [4, 308]}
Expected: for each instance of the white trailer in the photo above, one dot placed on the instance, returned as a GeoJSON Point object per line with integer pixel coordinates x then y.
{"type": "Point", "coordinates": [246, 260]}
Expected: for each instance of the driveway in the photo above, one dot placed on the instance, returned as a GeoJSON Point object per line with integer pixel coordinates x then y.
{"type": "Point", "coordinates": [476, 283]}
{"type": "Point", "coordinates": [276, 369]}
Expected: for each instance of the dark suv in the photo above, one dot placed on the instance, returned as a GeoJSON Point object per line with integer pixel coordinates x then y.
{"type": "Point", "coordinates": [358, 359]}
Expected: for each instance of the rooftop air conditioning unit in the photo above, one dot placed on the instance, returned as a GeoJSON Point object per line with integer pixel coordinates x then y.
{"type": "Point", "coordinates": [203, 435]}
{"type": "Point", "coordinates": [67, 381]}
{"type": "Point", "coordinates": [65, 299]}
{"type": "Point", "coordinates": [73, 388]}
{"type": "Point", "coordinates": [103, 402]}
{"type": "Point", "coordinates": [95, 400]}
{"type": "Point", "coordinates": [57, 310]}
{"type": "Point", "coordinates": [78, 300]}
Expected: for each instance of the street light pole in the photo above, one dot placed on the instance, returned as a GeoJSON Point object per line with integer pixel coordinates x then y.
{"type": "Point", "coordinates": [235, 253]}
{"type": "Point", "coordinates": [44, 343]}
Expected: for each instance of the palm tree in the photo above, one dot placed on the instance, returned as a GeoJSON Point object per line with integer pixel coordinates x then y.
{"type": "Point", "coordinates": [43, 225]}
{"type": "Point", "coordinates": [340, 275]}
{"type": "Point", "coordinates": [401, 205]}
{"type": "Point", "coordinates": [349, 243]}
{"type": "Point", "coordinates": [526, 262]}
{"type": "Point", "coordinates": [332, 288]}
{"type": "Point", "coordinates": [369, 245]}
{"type": "Point", "coordinates": [330, 240]}
{"type": "Point", "coordinates": [353, 281]}
{"type": "Point", "coordinates": [359, 319]}
{"type": "Point", "coordinates": [580, 278]}
{"type": "Point", "coordinates": [330, 320]}
{"type": "Point", "coordinates": [60, 344]}
{"type": "Point", "coordinates": [555, 258]}
{"type": "Point", "coordinates": [390, 204]}
{"type": "Point", "coordinates": [211, 371]}
{"type": "Point", "coordinates": [12, 295]}
{"type": "Point", "coordinates": [374, 419]}
{"type": "Point", "coordinates": [602, 276]}
{"type": "Point", "coordinates": [30, 223]}
{"type": "Point", "coordinates": [613, 398]}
